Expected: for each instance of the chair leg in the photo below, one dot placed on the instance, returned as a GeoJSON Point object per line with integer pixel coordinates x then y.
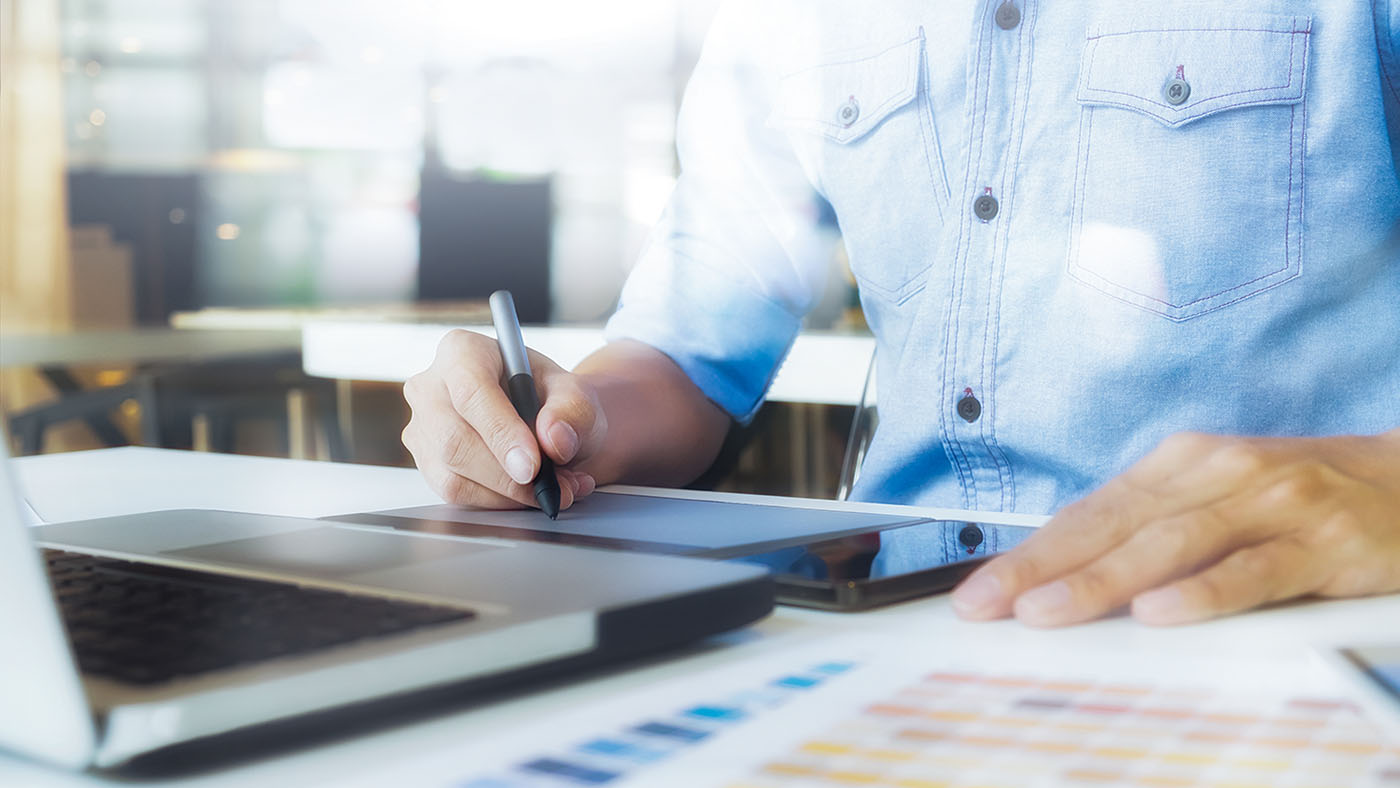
{"type": "Point", "coordinates": [30, 431]}
{"type": "Point", "coordinates": [199, 432]}
{"type": "Point", "coordinates": [296, 424]}
{"type": "Point", "coordinates": [328, 414]}
{"type": "Point", "coordinates": [145, 387]}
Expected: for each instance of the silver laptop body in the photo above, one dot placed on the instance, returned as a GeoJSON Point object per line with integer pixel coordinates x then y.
{"type": "Point", "coordinates": [534, 607]}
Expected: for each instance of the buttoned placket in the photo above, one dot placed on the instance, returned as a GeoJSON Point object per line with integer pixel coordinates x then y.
{"type": "Point", "coordinates": [998, 75]}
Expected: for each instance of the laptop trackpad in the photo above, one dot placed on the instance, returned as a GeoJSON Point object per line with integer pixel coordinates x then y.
{"type": "Point", "coordinates": [329, 552]}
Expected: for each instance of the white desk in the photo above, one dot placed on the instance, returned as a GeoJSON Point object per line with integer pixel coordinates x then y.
{"type": "Point", "coordinates": [823, 368]}
{"type": "Point", "coordinates": [131, 479]}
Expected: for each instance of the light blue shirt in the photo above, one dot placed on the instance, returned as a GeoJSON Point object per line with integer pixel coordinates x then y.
{"type": "Point", "coordinates": [1191, 220]}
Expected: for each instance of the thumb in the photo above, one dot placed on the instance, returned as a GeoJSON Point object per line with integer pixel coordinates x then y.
{"type": "Point", "coordinates": [571, 425]}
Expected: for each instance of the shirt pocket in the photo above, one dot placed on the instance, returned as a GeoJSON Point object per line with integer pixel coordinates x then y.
{"type": "Point", "coordinates": [1188, 191]}
{"type": "Point", "coordinates": [861, 124]}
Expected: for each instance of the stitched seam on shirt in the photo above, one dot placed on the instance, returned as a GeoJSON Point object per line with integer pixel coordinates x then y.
{"type": "Point", "coordinates": [1197, 313]}
{"type": "Point", "coordinates": [966, 256]}
{"type": "Point", "coordinates": [946, 184]}
{"type": "Point", "coordinates": [1183, 121]}
{"type": "Point", "coordinates": [925, 120]}
{"type": "Point", "coordinates": [1388, 48]}
{"type": "Point", "coordinates": [1297, 265]}
{"type": "Point", "coordinates": [1293, 28]}
{"type": "Point", "coordinates": [951, 447]}
{"type": "Point", "coordinates": [1292, 47]}
{"type": "Point", "coordinates": [965, 253]}
{"type": "Point", "coordinates": [998, 261]}
{"type": "Point", "coordinates": [848, 61]}
{"type": "Point", "coordinates": [1008, 490]}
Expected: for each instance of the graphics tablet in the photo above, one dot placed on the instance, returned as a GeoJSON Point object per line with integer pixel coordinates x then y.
{"type": "Point", "coordinates": [829, 559]}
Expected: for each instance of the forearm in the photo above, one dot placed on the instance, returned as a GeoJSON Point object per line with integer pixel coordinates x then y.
{"type": "Point", "coordinates": [661, 428]}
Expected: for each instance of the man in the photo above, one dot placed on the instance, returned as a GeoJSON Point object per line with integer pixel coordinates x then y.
{"type": "Point", "coordinates": [1107, 251]}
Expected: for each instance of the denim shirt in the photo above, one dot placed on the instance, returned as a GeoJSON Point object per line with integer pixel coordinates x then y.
{"type": "Point", "coordinates": [1098, 222]}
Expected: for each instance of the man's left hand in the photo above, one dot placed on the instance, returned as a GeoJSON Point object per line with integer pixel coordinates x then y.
{"type": "Point", "coordinates": [1208, 525]}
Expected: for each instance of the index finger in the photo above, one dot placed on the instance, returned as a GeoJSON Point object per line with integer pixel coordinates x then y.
{"type": "Point", "coordinates": [471, 370]}
{"type": "Point", "coordinates": [1171, 479]}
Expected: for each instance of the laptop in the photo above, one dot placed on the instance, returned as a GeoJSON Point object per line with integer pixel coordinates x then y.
{"type": "Point", "coordinates": [131, 634]}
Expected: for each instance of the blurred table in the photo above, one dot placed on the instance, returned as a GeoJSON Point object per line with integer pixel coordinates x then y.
{"type": "Point", "coordinates": [821, 368]}
{"type": "Point", "coordinates": [141, 345]}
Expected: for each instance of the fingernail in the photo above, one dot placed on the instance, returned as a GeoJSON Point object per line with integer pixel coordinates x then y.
{"type": "Point", "coordinates": [1160, 606]}
{"type": "Point", "coordinates": [519, 466]}
{"type": "Point", "coordinates": [978, 595]}
{"type": "Point", "coordinates": [1048, 604]}
{"type": "Point", "coordinates": [586, 484]}
{"type": "Point", "coordinates": [565, 440]}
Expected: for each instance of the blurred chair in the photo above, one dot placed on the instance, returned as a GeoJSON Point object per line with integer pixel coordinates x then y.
{"type": "Point", "coordinates": [201, 406]}
{"type": "Point", "coordinates": [478, 236]}
{"type": "Point", "coordinates": [28, 425]}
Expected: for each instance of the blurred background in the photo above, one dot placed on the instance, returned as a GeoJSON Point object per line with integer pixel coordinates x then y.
{"type": "Point", "coordinates": [242, 164]}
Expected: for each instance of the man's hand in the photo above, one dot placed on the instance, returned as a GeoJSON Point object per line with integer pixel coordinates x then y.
{"type": "Point", "coordinates": [1207, 525]}
{"type": "Point", "coordinates": [471, 445]}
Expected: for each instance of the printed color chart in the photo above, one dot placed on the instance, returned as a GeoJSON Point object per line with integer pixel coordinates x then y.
{"type": "Point", "coordinates": [956, 729]}
{"type": "Point", "coordinates": [628, 751]}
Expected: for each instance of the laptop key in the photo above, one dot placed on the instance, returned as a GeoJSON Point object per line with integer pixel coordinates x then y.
{"type": "Point", "coordinates": [146, 624]}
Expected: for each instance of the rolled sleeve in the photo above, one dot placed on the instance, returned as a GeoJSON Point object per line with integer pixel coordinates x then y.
{"type": "Point", "coordinates": [740, 255]}
{"type": "Point", "coordinates": [729, 340]}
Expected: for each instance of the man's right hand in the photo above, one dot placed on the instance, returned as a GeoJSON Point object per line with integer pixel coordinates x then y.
{"type": "Point", "coordinates": [472, 447]}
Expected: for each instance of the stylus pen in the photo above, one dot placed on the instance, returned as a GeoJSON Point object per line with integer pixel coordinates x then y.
{"type": "Point", "coordinates": [520, 385]}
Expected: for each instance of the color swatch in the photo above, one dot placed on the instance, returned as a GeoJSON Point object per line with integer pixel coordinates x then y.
{"type": "Point", "coordinates": [954, 729]}
{"type": "Point", "coordinates": [624, 752]}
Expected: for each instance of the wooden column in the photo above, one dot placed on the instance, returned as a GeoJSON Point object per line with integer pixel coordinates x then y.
{"type": "Point", "coordinates": [35, 275]}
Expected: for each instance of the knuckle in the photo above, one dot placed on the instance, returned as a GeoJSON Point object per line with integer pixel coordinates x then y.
{"type": "Point", "coordinates": [1171, 541]}
{"type": "Point", "coordinates": [472, 402]}
{"type": "Point", "coordinates": [1210, 591]}
{"type": "Point", "coordinates": [1093, 582]}
{"type": "Point", "coordinates": [1341, 531]}
{"type": "Point", "coordinates": [455, 449]}
{"type": "Point", "coordinates": [574, 405]}
{"type": "Point", "coordinates": [1021, 573]}
{"type": "Point", "coordinates": [498, 433]}
{"type": "Point", "coordinates": [1297, 489]}
{"type": "Point", "coordinates": [413, 388]}
{"type": "Point", "coordinates": [1253, 564]}
{"type": "Point", "coordinates": [455, 489]}
{"type": "Point", "coordinates": [1239, 459]}
{"type": "Point", "coordinates": [454, 342]}
{"type": "Point", "coordinates": [1187, 443]}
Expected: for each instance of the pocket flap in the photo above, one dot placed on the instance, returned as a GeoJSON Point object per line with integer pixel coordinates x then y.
{"type": "Point", "coordinates": [847, 97]}
{"type": "Point", "coordinates": [1181, 73]}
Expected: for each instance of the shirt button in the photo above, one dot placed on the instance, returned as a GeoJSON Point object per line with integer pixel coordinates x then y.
{"type": "Point", "coordinates": [1008, 16]}
{"type": "Point", "coordinates": [969, 408]}
{"type": "Point", "coordinates": [985, 207]}
{"type": "Point", "coordinates": [970, 536]}
{"type": "Point", "coordinates": [1177, 91]}
{"type": "Point", "coordinates": [849, 112]}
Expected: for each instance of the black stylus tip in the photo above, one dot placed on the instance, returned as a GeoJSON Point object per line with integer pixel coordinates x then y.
{"type": "Point", "coordinates": [548, 499]}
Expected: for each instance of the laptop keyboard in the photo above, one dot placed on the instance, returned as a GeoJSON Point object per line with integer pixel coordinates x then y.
{"type": "Point", "coordinates": [145, 624]}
